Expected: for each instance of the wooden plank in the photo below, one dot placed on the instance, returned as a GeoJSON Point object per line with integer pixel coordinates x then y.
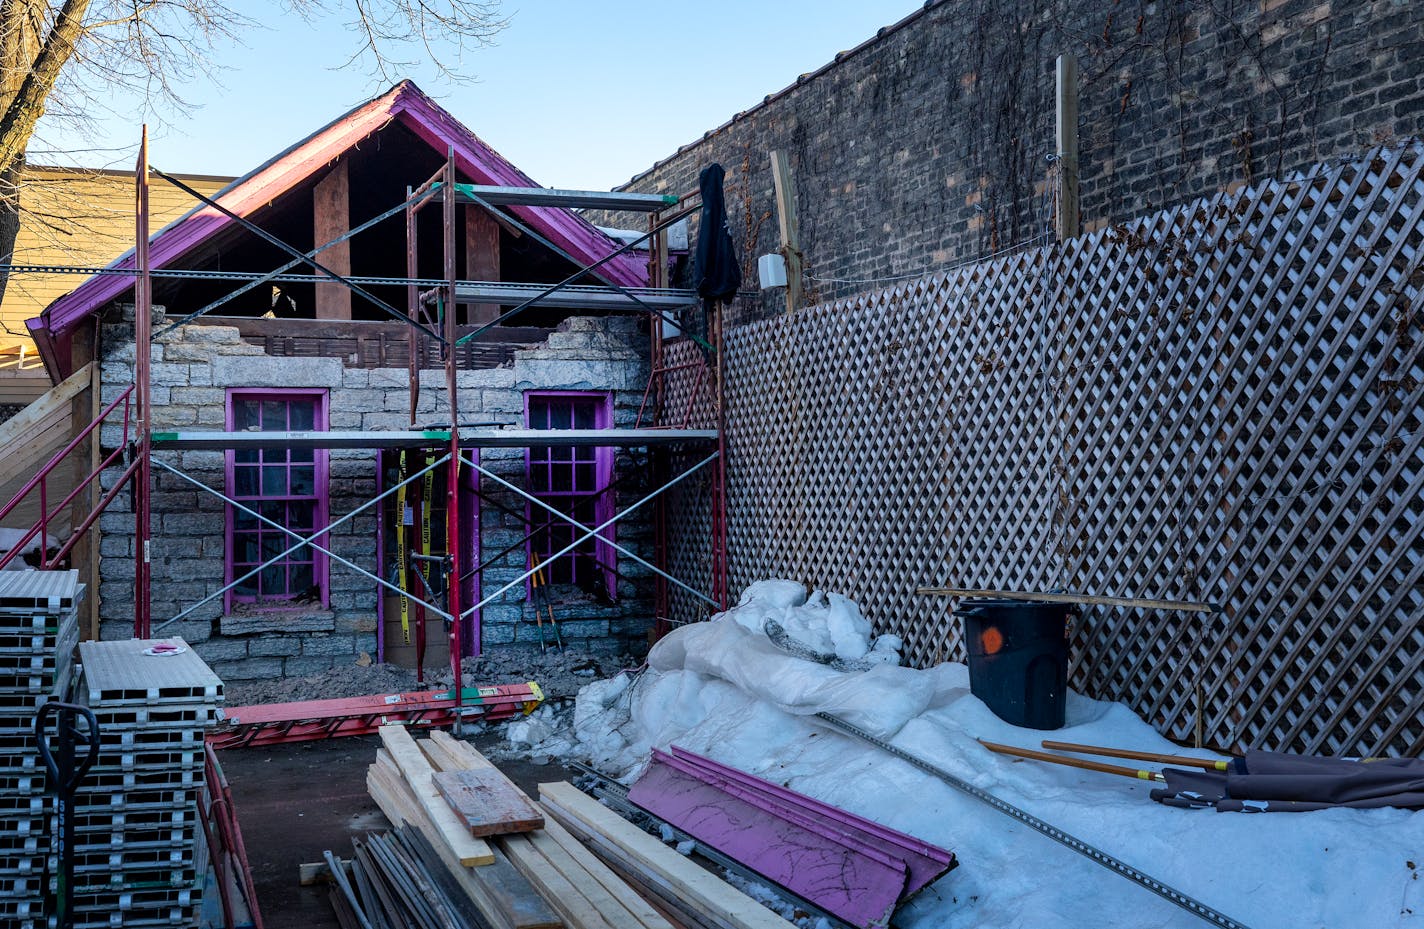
{"type": "Point", "coordinates": [1138, 602]}
{"type": "Point", "coordinates": [1066, 136]}
{"type": "Point", "coordinates": [709, 895]}
{"type": "Point", "coordinates": [635, 903]}
{"type": "Point", "coordinates": [418, 773]}
{"type": "Point", "coordinates": [331, 218]}
{"type": "Point", "coordinates": [666, 897]}
{"type": "Point", "coordinates": [487, 802]}
{"type": "Point", "coordinates": [24, 425]}
{"type": "Point", "coordinates": [481, 258]}
{"type": "Point", "coordinates": [784, 186]}
{"type": "Point", "coordinates": [555, 886]}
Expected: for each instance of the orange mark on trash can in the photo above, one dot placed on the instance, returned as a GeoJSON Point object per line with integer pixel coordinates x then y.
{"type": "Point", "coordinates": [992, 640]}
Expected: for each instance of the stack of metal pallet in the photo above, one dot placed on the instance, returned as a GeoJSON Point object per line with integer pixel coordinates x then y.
{"type": "Point", "coordinates": [39, 628]}
{"type": "Point", "coordinates": [140, 853]}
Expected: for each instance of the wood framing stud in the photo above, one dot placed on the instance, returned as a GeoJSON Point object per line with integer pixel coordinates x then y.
{"type": "Point", "coordinates": [1067, 141]}
{"type": "Point", "coordinates": [784, 182]}
{"type": "Point", "coordinates": [331, 219]}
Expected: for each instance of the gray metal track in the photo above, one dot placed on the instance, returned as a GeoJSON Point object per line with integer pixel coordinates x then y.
{"type": "Point", "coordinates": [1121, 868]}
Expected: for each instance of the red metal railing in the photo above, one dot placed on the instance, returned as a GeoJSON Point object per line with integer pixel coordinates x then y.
{"type": "Point", "coordinates": [227, 852]}
{"type": "Point", "coordinates": [40, 482]}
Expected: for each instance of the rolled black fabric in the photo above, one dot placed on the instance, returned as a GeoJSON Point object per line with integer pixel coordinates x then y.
{"type": "Point", "coordinates": [716, 271]}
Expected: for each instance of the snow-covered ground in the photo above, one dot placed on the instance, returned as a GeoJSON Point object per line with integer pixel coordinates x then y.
{"type": "Point", "coordinates": [724, 689]}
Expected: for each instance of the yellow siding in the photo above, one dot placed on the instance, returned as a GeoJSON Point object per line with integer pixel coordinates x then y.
{"type": "Point", "coordinates": [71, 216]}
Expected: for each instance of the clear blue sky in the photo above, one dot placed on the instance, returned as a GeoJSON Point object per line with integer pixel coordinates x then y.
{"type": "Point", "coordinates": [577, 93]}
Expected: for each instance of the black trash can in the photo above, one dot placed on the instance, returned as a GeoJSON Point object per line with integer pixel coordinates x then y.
{"type": "Point", "coordinates": [1018, 659]}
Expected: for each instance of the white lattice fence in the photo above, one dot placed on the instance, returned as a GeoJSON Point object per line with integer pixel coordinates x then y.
{"type": "Point", "coordinates": [1219, 402]}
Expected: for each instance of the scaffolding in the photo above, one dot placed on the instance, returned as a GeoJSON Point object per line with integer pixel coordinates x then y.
{"type": "Point", "coordinates": [432, 312]}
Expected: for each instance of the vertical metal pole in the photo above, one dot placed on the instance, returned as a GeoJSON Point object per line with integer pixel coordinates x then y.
{"type": "Point", "coordinates": [719, 475]}
{"type": "Point", "coordinates": [143, 337]}
{"type": "Point", "coordinates": [453, 542]}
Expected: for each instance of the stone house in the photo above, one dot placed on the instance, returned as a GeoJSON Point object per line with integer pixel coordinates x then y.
{"type": "Point", "coordinates": [298, 356]}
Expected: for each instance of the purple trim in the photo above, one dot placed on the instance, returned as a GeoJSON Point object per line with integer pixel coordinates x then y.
{"type": "Point", "coordinates": [320, 478]}
{"type": "Point", "coordinates": [854, 869]}
{"type": "Point", "coordinates": [603, 460]}
{"type": "Point", "coordinates": [249, 194]}
{"type": "Point", "coordinates": [917, 848]}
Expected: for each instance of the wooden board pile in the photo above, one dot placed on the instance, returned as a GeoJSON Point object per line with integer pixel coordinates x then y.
{"type": "Point", "coordinates": [472, 851]}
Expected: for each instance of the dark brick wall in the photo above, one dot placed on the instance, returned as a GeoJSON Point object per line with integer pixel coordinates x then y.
{"type": "Point", "coordinates": [931, 143]}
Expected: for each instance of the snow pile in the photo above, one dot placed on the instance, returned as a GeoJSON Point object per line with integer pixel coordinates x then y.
{"type": "Point", "coordinates": [725, 690]}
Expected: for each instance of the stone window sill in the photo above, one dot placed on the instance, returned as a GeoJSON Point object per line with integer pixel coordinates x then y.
{"type": "Point", "coordinates": [253, 621]}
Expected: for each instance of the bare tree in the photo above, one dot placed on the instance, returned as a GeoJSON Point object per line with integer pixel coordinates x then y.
{"type": "Point", "coordinates": [66, 58]}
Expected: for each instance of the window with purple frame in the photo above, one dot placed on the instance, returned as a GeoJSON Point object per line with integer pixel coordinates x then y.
{"type": "Point", "coordinates": [286, 485]}
{"type": "Point", "coordinates": [574, 480]}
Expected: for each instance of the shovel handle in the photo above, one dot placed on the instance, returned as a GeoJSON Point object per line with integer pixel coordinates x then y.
{"type": "Point", "coordinates": [65, 782]}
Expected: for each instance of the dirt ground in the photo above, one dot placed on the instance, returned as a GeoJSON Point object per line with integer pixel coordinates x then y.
{"type": "Point", "coordinates": [560, 673]}
{"type": "Point", "coordinates": [296, 801]}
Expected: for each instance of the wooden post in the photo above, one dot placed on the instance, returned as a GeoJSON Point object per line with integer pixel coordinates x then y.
{"type": "Point", "coordinates": [782, 180]}
{"type": "Point", "coordinates": [481, 258]}
{"type": "Point", "coordinates": [331, 217]}
{"type": "Point", "coordinates": [1067, 142]}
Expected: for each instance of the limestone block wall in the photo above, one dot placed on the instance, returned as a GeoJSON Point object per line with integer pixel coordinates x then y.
{"type": "Point", "coordinates": [193, 367]}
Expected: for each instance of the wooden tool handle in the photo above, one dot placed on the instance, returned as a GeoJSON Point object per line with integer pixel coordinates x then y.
{"type": "Point", "coordinates": [1206, 764]}
{"type": "Point", "coordinates": [1072, 762]}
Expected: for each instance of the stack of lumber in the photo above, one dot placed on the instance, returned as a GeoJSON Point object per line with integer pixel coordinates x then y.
{"type": "Point", "coordinates": [484, 844]}
{"type": "Point", "coordinates": [402, 782]}
{"type": "Point", "coordinates": [691, 895]}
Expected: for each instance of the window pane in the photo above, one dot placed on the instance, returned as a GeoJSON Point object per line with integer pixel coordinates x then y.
{"type": "Point", "coordinates": [247, 588]}
{"type": "Point", "coordinates": [585, 453]}
{"type": "Point", "coordinates": [274, 416]}
{"type": "Point", "coordinates": [586, 478]}
{"type": "Point", "coordinates": [303, 415]}
{"type": "Point", "coordinates": [538, 477]}
{"type": "Point", "coordinates": [302, 583]}
{"type": "Point", "coordinates": [244, 415]}
{"type": "Point", "coordinates": [274, 481]}
{"type": "Point", "coordinates": [245, 456]}
{"type": "Point", "coordinates": [241, 520]}
{"type": "Point", "coordinates": [273, 581]}
{"type": "Point", "coordinates": [560, 417]}
{"type": "Point", "coordinates": [584, 416]}
{"type": "Point", "coordinates": [301, 515]}
{"type": "Point", "coordinates": [244, 548]}
{"type": "Point", "coordinates": [244, 481]}
{"type": "Point", "coordinates": [560, 478]}
{"type": "Point", "coordinates": [303, 480]}
{"type": "Point", "coordinates": [302, 455]}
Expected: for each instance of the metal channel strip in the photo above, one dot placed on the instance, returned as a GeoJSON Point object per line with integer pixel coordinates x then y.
{"type": "Point", "coordinates": [1191, 905]}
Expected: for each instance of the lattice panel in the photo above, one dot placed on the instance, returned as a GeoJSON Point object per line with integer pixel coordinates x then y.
{"type": "Point", "coordinates": [1218, 402]}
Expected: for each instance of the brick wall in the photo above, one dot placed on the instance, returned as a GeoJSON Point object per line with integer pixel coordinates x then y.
{"type": "Point", "coordinates": [191, 370]}
{"type": "Point", "coordinates": [930, 144]}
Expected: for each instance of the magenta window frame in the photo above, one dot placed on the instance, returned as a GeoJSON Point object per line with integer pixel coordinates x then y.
{"type": "Point", "coordinates": [320, 496]}
{"type": "Point", "coordinates": [602, 460]}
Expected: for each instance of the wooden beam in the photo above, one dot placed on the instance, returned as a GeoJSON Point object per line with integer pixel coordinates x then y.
{"type": "Point", "coordinates": [331, 218]}
{"type": "Point", "coordinates": [721, 903]}
{"type": "Point", "coordinates": [487, 802]}
{"type": "Point", "coordinates": [1185, 606]}
{"type": "Point", "coordinates": [637, 906]}
{"type": "Point", "coordinates": [1066, 136]}
{"type": "Point", "coordinates": [417, 772]}
{"type": "Point", "coordinates": [481, 259]}
{"type": "Point", "coordinates": [784, 183]}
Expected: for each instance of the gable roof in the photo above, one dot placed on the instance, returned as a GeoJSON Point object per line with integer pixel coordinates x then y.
{"type": "Point", "coordinates": [405, 103]}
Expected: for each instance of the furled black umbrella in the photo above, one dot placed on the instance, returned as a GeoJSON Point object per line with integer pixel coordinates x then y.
{"type": "Point", "coordinates": [1268, 782]}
